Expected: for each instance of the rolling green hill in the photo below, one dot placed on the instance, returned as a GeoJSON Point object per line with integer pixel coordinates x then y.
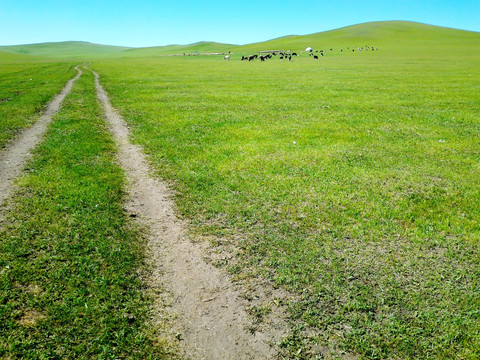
{"type": "Point", "coordinates": [390, 35]}
{"type": "Point", "coordinates": [7, 57]}
{"type": "Point", "coordinates": [387, 34]}
{"type": "Point", "coordinates": [395, 36]}
{"type": "Point", "coordinates": [200, 47]}
{"type": "Point", "coordinates": [64, 50]}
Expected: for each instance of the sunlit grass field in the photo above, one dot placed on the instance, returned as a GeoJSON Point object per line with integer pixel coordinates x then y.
{"type": "Point", "coordinates": [26, 86]}
{"type": "Point", "coordinates": [352, 182]}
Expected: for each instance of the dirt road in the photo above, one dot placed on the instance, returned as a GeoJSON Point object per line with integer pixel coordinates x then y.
{"type": "Point", "coordinates": [14, 157]}
{"type": "Point", "coordinates": [210, 317]}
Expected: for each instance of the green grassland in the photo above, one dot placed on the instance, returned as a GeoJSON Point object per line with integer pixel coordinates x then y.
{"type": "Point", "coordinates": [64, 50]}
{"type": "Point", "coordinates": [70, 258]}
{"type": "Point", "coordinates": [403, 35]}
{"type": "Point", "coordinates": [351, 181]}
{"type": "Point", "coordinates": [7, 57]}
{"type": "Point", "coordinates": [27, 84]}
{"type": "Point", "coordinates": [397, 36]}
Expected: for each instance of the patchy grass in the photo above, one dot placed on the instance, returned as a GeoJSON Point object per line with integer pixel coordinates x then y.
{"type": "Point", "coordinates": [352, 182]}
{"type": "Point", "coordinates": [70, 260]}
{"type": "Point", "coordinates": [25, 90]}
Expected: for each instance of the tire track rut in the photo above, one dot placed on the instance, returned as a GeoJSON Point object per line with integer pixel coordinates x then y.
{"type": "Point", "coordinates": [16, 154]}
{"type": "Point", "coordinates": [210, 316]}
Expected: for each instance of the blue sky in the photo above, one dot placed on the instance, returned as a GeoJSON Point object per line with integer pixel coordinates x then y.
{"type": "Point", "coordinates": [150, 23]}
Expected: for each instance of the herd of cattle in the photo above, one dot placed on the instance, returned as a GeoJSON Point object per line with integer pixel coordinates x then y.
{"type": "Point", "coordinates": [287, 55]}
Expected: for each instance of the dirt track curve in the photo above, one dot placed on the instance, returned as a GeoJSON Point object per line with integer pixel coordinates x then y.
{"type": "Point", "coordinates": [14, 157]}
{"type": "Point", "coordinates": [210, 316]}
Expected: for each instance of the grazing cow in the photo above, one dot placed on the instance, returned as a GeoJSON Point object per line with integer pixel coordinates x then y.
{"type": "Point", "coordinates": [281, 57]}
{"type": "Point", "coordinates": [227, 57]}
{"type": "Point", "coordinates": [321, 53]}
{"type": "Point", "coordinates": [315, 57]}
{"type": "Point", "coordinates": [294, 54]}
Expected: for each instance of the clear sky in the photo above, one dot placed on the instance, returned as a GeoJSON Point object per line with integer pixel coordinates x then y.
{"type": "Point", "coordinates": [150, 23]}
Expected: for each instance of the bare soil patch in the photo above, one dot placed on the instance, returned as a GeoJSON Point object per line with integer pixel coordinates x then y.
{"type": "Point", "coordinates": [31, 317]}
{"type": "Point", "coordinates": [211, 321]}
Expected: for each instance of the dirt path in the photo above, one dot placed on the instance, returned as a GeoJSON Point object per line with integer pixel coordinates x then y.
{"type": "Point", "coordinates": [14, 157]}
{"type": "Point", "coordinates": [211, 318]}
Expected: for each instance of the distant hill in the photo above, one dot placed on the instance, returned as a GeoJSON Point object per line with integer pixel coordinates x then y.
{"type": "Point", "coordinates": [385, 34]}
{"type": "Point", "coordinates": [65, 50]}
{"type": "Point", "coordinates": [394, 36]}
{"type": "Point", "coordinates": [200, 47]}
{"type": "Point", "coordinates": [7, 57]}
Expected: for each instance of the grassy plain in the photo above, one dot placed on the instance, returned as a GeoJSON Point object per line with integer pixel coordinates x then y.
{"type": "Point", "coordinates": [27, 84]}
{"type": "Point", "coordinates": [352, 182]}
{"type": "Point", "coordinates": [70, 258]}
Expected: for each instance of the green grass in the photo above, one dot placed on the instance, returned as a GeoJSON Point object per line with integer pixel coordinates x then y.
{"type": "Point", "coordinates": [64, 50]}
{"type": "Point", "coordinates": [70, 258]}
{"type": "Point", "coordinates": [26, 87]}
{"type": "Point", "coordinates": [352, 182]}
{"type": "Point", "coordinates": [7, 57]}
{"type": "Point", "coordinates": [396, 36]}
{"type": "Point", "coordinates": [401, 36]}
